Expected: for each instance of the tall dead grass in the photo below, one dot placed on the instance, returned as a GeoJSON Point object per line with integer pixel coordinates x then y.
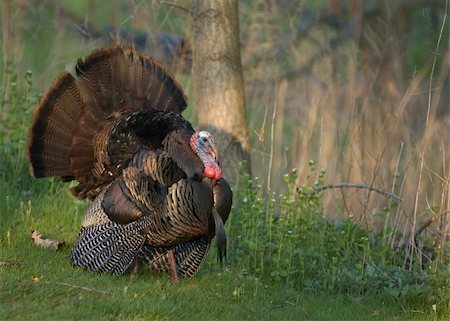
{"type": "Point", "coordinates": [355, 109]}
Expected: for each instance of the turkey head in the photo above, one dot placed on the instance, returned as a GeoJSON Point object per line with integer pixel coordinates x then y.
{"type": "Point", "coordinates": [202, 143]}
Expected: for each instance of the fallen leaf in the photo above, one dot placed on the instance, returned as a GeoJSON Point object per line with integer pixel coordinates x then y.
{"type": "Point", "coordinates": [44, 242]}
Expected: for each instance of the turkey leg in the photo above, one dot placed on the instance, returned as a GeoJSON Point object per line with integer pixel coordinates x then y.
{"type": "Point", "coordinates": [134, 267]}
{"type": "Point", "coordinates": [173, 268]}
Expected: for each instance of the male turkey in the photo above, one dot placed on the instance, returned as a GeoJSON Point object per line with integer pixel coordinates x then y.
{"type": "Point", "coordinates": [156, 184]}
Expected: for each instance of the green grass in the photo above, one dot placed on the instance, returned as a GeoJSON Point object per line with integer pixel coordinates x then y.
{"type": "Point", "coordinates": [44, 285]}
{"type": "Point", "coordinates": [209, 296]}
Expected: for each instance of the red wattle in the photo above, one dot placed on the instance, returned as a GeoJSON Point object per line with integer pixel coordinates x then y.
{"type": "Point", "coordinates": [213, 172]}
{"type": "Point", "coordinates": [209, 172]}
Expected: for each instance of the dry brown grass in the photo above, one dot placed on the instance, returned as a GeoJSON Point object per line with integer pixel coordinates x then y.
{"type": "Point", "coordinates": [357, 112]}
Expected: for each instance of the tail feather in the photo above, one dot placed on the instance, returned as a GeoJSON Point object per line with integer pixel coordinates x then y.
{"type": "Point", "coordinates": [61, 102]}
{"type": "Point", "coordinates": [54, 144]}
{"type": "Point", "coordinates": [221, 238]}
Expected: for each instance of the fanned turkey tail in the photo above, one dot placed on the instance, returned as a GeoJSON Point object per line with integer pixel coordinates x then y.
{"type": "Point", "coordinates": [78, 110]}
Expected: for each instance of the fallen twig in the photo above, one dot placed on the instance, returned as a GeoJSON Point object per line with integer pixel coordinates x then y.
{"type": "Point", "coordinates": [352, 185]}
{"type": "Point", "coordinates": [75, 287]}
{"type": "Point", "coordinates": [40, 241]}
{"type": "Point", "coordinates": [355, 300]}
{"type": "Point", "coordinates": [11, 262]}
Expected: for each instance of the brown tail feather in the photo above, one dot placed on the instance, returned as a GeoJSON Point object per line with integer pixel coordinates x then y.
{"type": "Point", "coordinates": [110, 83]}
{"type": "Point", "coordinates": [44, 158]}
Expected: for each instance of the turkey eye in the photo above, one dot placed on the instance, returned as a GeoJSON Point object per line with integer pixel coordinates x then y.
{"type": "Point", "coordinates": [205, 139]}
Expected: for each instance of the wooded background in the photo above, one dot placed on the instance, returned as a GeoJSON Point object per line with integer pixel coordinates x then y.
{"type": "Point", "coordinates": [359, 87]}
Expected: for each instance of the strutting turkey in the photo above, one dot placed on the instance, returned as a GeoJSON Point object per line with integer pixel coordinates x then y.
{"type": "Point", "coordinates": [156, 184]}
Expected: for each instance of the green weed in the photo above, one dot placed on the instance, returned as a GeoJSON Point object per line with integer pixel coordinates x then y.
{"type": "Point", "coordinates": [288, 239]}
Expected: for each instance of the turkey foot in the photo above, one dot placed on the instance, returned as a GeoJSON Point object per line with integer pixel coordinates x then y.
{"type": "Point", "coordinates": [173, 268]}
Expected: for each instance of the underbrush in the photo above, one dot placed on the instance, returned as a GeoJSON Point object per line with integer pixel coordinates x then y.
{"type": "Point", "coordinates": [16, 103]}
{"type": "Point", "coordinates": [287, 238]}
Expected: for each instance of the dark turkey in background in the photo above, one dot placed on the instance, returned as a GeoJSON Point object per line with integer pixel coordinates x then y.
{"type": "Point", "coordinates": [171, 50]}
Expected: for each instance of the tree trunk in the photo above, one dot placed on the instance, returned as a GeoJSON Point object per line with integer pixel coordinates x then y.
{"type": "Point", "coordinates": [218, 81]}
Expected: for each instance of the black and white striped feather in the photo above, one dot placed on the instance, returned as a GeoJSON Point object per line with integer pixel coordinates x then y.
{"type": "Point", "coordinates": [106, 246]}
{"type": "Point", "coordinates": [188, 256]}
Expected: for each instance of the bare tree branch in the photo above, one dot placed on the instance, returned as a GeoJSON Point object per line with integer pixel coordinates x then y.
{"type": "Point", "coordinates": [176, 6]}
{"type": "Point", "coordinates": [428, 223]}
{"type": "Point", "coordinates": [353, 185]}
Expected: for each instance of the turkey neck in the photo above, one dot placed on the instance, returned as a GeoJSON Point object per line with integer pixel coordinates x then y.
{"type": "Point", "coordinates": [176, 144]}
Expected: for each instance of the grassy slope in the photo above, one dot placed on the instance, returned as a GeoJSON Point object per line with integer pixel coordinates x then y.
{"type": "Point", "coordinates": [46, 286]}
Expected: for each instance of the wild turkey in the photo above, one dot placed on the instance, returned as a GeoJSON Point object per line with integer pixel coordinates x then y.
{"type": "Point", "coordinates": [156, 184]}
